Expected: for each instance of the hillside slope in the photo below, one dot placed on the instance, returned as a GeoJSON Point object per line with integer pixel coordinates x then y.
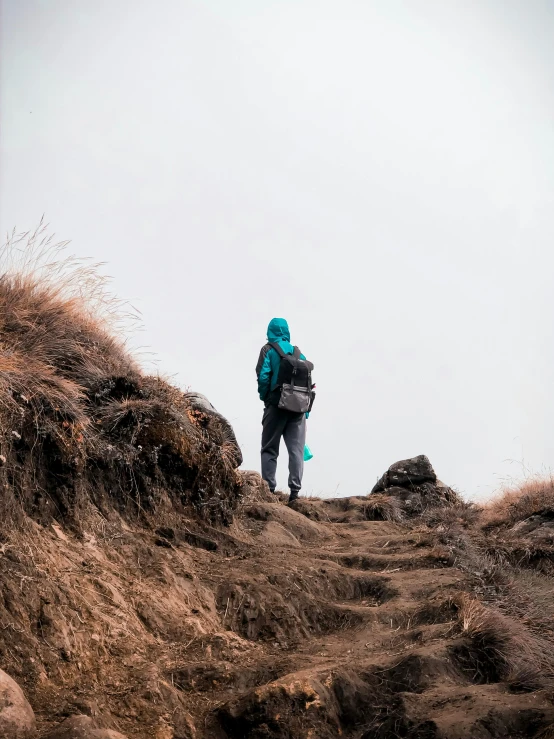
{"type": "Point", "coordinates": [276, 626]}
{"type": "Point", "coordinates": [151, 590]}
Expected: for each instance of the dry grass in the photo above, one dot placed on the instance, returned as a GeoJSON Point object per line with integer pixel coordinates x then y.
{"type": "Point", "coordinates": [462, 514]}
{"type": "Point", "coordinates": [534, 496]}
{"type": "Point", "coordinates": [504, 647]}
{"type": "Point", "coordinates": [55, 343]}
{"type": "Point", "coordinates": [509, 617]}
{"type": "Point", "coordinates": [510, 625]}
{"type": "Point", "coordinates": [528, 599]}
{"type": "Point", "coordinates": [78, 418]}
{"type": "Point", "coordinates": [379, 507]}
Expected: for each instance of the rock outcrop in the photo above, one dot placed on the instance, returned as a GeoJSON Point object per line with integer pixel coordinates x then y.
{"type": "Point", "coordinates": [406, 474]}
{"type": "Point", "coordinates": [415, 484]}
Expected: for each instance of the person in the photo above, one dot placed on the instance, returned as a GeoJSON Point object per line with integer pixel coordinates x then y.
{"type": "Point", "coordinates": [278, 422]}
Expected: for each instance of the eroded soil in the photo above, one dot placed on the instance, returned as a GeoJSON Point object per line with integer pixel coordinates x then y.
{"type": "Point", "coordinates": [279, 626]}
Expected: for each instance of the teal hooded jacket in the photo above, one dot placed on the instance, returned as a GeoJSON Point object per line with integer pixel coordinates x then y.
{"type": "Point", "coordinates": [267, 369]}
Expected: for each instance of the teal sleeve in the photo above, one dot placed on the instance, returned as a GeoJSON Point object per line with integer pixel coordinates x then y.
{"type": "Point", "coordinates": [264, 378]}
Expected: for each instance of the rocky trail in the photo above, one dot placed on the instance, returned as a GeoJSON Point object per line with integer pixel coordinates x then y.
{"type": "Point", "coordinates": [309, 621]}
{"type": "Point", "coordinates": [356, 633]}
{"type": "Point", "coordinates": [150, 589]}
{"type": "Point", "coordinates": [296, 622]}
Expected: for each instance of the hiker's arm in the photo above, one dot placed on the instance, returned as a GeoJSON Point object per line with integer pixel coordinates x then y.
{"type": "Point", "coordinates": [263, 370]}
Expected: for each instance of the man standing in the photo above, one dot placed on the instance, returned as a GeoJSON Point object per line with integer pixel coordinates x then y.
{"type": "Point", "coordinates": [284, 385]}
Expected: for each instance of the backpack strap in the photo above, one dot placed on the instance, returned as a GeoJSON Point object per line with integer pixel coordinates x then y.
{"type": "Point", "coordinates": [275, 345]}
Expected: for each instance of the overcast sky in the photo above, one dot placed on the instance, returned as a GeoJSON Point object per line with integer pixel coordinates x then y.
{"type": "Point", "coordinates": [378, 172]}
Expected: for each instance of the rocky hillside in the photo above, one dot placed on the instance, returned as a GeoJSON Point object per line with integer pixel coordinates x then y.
{"type": "Point", "coordinates": [151, 590]}
{"type": "Point", "coordinates": [346, 617]}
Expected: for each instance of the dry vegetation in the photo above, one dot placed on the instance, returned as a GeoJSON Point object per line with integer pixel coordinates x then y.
{"type": "Point", "coordinates": [147, 583]}
{"type": "Point", "coordinates": [533, 497]}
{"type": "Point", "coordinates": [503, 649]}
{"type": "Point", "coordinates": [79, 420]}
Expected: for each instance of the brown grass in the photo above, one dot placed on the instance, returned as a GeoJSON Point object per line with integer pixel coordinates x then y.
{"type": "Point", "coordinates": [78, 417]}
{"type": "Point", "coordinates": [379, 507]}
{"type": "Point", "coordinates": [462, 514]}
{"type": "Point", "coordinates": [504, 646]}
{"type": "Point", "coordinates": [534, 496]}
{"type": "Point", "coordinates": [55, 340]}
{"type": "Point", "coordinates": [508, 619]}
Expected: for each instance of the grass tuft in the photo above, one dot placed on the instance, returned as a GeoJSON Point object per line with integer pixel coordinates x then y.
{"type": "Point", "coordinates": [502, 649]}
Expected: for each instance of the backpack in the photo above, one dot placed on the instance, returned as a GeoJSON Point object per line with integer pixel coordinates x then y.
{"type": "Point", "coordinates": [294, 383]}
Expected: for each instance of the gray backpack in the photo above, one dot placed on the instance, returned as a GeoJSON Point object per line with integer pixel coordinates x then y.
{"type": "Point", "coordinates": [294, 384]}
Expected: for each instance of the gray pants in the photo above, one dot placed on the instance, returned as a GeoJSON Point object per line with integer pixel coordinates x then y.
{"type": "Point", "coordinates": [278, 423]}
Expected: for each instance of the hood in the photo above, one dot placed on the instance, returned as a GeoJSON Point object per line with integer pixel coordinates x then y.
{"type": "Point", "coordinates": [278, 330]}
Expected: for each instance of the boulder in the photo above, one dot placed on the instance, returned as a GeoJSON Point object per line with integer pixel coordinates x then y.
{"type": "Point", "coordinates": [414, 484]}
{"type": "Point", "coordinates": [408, 473]}
{"type": "Point", "coordinates": [17, 720]}
{"type": "Point", "coordinates": [82, 727]}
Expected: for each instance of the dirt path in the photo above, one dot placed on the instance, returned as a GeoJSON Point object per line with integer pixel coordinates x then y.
{"type": "Point", "coordinates": [350, 630]}
{"type": "Point", "coordinates": [280, 626]}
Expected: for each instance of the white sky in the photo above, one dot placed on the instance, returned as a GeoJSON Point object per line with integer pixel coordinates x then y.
{"type": "Point", "coordinates": [378, 172]}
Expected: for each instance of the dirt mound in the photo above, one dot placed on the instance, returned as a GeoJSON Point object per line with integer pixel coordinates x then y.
{"type": "Point", "coordinates": [150, 590]}
{"type": "Point", "coordinates": [80, 422]}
